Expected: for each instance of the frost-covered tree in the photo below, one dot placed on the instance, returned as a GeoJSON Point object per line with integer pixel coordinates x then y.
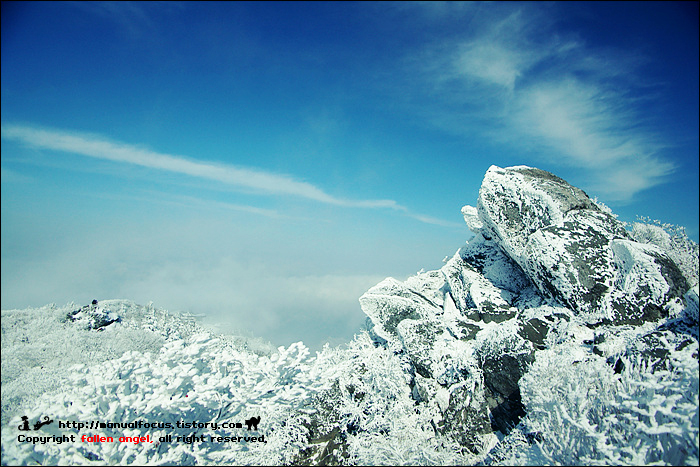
{"type": "Point", "coordinates": [583, 412]}
{"type": "Point", "coordinates": [674, 241]}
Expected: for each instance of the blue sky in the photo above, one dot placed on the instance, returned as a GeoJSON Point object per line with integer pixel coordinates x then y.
{"type": "Point", "coordinates": [266, 163]}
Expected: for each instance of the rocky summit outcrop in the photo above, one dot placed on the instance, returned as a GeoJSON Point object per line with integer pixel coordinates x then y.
{"type": "Point", "coordinates": [546, 265]}
{"type": "Point", "coordinates": [573, 251]}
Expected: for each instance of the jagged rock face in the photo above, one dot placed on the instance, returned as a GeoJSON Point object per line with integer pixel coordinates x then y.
{"type": "Point", "coordinates": [546, 263]}
{"type": "Point", "coordinates": [572, 251]}
{"type": "Point", "coordinates": [440, 323]}
{"type": "Point", "coordinates": [516, 202]}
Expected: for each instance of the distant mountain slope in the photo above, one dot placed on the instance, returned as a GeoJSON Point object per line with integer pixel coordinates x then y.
{"type": "Point", "coordinates": [39, 345]}
{"type": "Point", "coordinates": [555, 336]}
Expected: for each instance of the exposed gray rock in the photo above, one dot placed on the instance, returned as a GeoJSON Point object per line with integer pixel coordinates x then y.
{"type": "Point", "coordinates": [93, 316]}
{"type": "Point", "coordinates": [574, 252]}
{"type": "Point", "coordinates": [546, 266]}
{"type": "Point", "coordinates": [692, 309]}
{"type": "Point", "coordinates": [418, 338]}
{"type": "Point", "coordinates": [466, 408]}
{"type": "Point", "coordinates": [517, 201]}
{"type": "Point", "coordinates": [535, 330]}
{"type": "Point", "coordinates": [326, 441]}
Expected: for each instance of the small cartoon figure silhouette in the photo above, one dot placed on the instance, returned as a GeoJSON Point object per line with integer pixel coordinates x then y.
{"type": "Point", "coordinates": [39, 424]}
{"type": "Point", "coordinates": [25, 423]}
{"type": "Point", "coordinates": [253, 422]}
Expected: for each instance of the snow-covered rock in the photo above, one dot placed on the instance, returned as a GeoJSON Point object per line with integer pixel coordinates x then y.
{"type": "Point", "coordinates": [573, 251]}
{"type": "Point", "coordinates": [550, 338]}
{"type": "Point", "coordinates": [546, 267]}
{"type": "Point", "coordinates": [93, 316]}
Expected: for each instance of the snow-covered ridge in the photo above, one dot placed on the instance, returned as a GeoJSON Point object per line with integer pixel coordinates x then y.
{"type": "Point", "coordinates": [552, 337]}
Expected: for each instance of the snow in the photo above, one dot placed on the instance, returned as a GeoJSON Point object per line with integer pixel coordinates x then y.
{"type": "Point", "coordinates": [404, 392]}
{"type": "Point", "coordinates": [205, 378]}
{"type": "Point", "coordinates": [633, 260]}
{"type": "Point", "coordinates": [598, 415]}
{"type": "Point", "coordinates": [471, 217]}
{"type": "Point", "coordinates": [194, 375]}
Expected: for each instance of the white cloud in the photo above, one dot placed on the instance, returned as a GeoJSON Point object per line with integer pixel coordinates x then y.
{"type": "Point", "coordinates": [93, 146]}
{"type": "Point", "coordinates": [435, 221]}
{"type": "Point", "coordinates": [636, 173]}
{"type": "Point", "coordinates": [132, 19]}
{"type": "Point", "coordinates": [573, 118]}
{"type": "Point", "coordinates": [514, 79]}
{"type": "Point", "coordinates": [491, 63]}
{"type": "Point", "coordinates": [589, 128]}
{"type": "Point", "coordinates": [244, 275]}
{"type": "Point", "coordinates": [246, 178]}
{"type": "Point", "coordinates": [500, 54]}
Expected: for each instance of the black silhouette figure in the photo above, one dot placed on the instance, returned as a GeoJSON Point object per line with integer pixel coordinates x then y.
{"type": "Point", "coordinates": [46, 421]}
{"type": "Point", "coordinates": [253, 422]}
{"type": "Point", "coordinates": [25, 423]}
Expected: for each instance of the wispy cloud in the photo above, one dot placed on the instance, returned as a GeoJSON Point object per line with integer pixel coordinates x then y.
{"type": "Point", "coordinates": [550, 93]}
{"type": "Point", "coordinates": [498, 55]}
{"type": "Point", "coordinates": [11, 176]}
{"type": "Point", "coordinates": [434, 220]}
{"type": "Point", "coordinates": [100, 148]}
{"type": "Point", "coordinates": [580, 123]}
{"type": "Point", "coordinates": [200, 203]}
{"type": "Point", "coordinates": [258, 181]}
